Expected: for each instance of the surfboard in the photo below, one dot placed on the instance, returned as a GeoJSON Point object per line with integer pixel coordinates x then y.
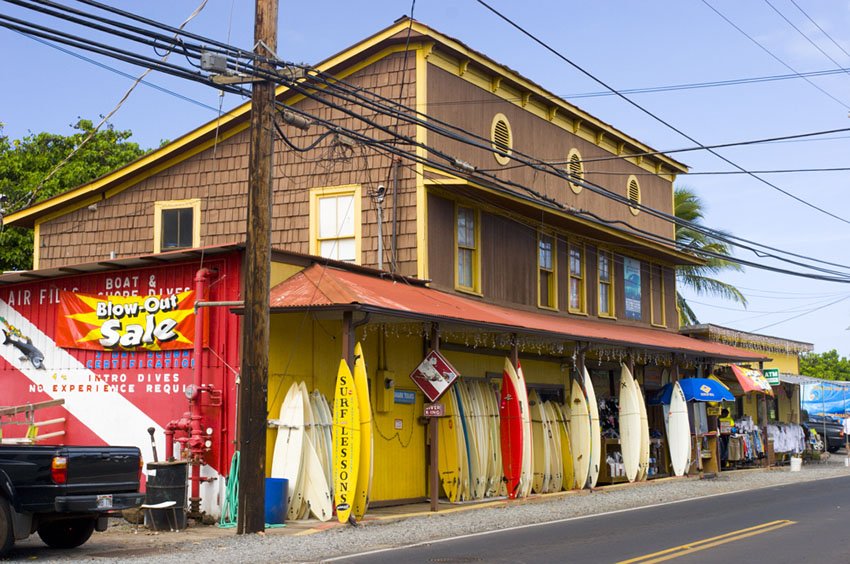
{"type": "Point", "coordinates": [540, 454]}
{"type": "Point", "coordinates": [554, 436]}
{"type": "Point", "coordinates": [317, 494]}
{"type": "Point", "coordinates": [568, 474]}
{"type": "Point", "coordinates": [595, 432]}
{"type": "Point", "coordinates": [467, 445]}
{"type": "Point", "coordinates": [310, 432]}
{"type": "Point", "coordinates": [579, 435]}
{"type": "Point", "coordinates": [479, 438]}
{"type": "Point", "coordinates": [527, 446]}
{"type": "Point", "coordinates": [629, 421]}
{"type": "Point", "coordinates": [494, 455]}
{"type": "Point", "coordinates": [511, 430]}
{"type": "Point", "coordinates": [286, 460]}
{"type": "Point", "coordinates": [364, 470]}
{"type": "Point", "coordinates": [325, 447]}
{"type": "Point", "coordinates": [346, 439]}
{"type": "Point", "coordinates": [643, 472]}
{"type": "Point", "coordinates": [679, 431]}
{"type": "Point", "coordinates": [448, 462]}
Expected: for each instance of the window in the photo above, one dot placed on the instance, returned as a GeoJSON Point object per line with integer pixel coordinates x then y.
{"type": "Point", "coordinates": [466, 246]}
{"type": "Point", "coordinates": [335, 223]}
{"type": "Point", "coordinates": [576, 258]}
{"type": "Point", "coordinates": [177, 225]}
{"type": "Point", "coordinates": [606, 284]}
{"type": "Point", "coordinates": [501, 138]}
{"type": "Point", "coordinates": [547, 295]}
{"type": "Point", "coordinates": [656, 287]}
{"type": "Point", "coordinates": [633, 193]}
{"type": "Point", "coordinates": [575, 169]}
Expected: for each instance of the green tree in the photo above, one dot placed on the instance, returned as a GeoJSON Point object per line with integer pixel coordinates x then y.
{"type": "Point", "coordinates": [701, 279]}
{"type": "Point", "coordinates": [828, 365]}
{"type": "Point", "coordinates": [29, 174]}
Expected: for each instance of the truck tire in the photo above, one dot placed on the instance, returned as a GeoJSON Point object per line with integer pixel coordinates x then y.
{"type": "Point", "coordinates": [7, 534]}
{"type": "Point", "coordinates": [67, 533]}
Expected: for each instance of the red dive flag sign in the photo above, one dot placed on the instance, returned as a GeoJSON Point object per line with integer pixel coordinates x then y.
{"type": "Point", "coordinates": [434, 376]}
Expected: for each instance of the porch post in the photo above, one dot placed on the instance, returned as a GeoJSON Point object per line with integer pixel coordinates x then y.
{"type": "Point", "coordinates": [434, 431]}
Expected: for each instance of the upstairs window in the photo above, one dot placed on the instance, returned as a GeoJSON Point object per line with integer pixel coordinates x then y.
{"type": "Point", "coordinates": [335, 224]}
{"type": "Point", "coordinates": [547, 295]}
{"type": "Point", "coordinates": [466, 248]}
{"type": "Point", "coordinates": [577, 290]}
{"type": "Point", "coordinates": [606, 284]}
{"type": "Point", "coordinates": [177, 225]}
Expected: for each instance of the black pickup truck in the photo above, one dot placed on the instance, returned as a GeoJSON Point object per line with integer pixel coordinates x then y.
{"type": "Point", "coordinates": [64, 493]}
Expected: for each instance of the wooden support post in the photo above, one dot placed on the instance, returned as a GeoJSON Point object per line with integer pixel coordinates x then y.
{"type": "Point", "coordinates": [514, 351]}
{"type": "Point", "coordinates": [253, 387]}
{"type": "Point", "coordinates": [434, 430]}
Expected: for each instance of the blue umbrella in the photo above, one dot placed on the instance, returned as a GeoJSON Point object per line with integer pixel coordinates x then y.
{"type": "Point", "coordinates": [696, 389]}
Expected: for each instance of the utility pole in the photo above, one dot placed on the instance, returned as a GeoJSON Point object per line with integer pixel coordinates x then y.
{"type": "Point", "coordinates": [253, 387]}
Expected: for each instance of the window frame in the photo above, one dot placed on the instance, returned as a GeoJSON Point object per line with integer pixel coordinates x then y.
{"type": "Point", "coordinates": [552, 288]}
{"type": "Point", "coordinates": [475, 251]}
{"type": "Point", "coordinates": [159, 207]}
{"type": "Point", "coordinates": [610, 292]}
{"type": "Point", "coordinates": [582, 277]}
{"type": "Point", "coordinates": [316, 195]}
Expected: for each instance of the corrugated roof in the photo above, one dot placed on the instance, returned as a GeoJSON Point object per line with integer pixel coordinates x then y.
{"type": "Point", "coordinates": [325, 287]}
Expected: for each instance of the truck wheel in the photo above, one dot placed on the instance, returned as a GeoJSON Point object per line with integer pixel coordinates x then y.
{"type": "Point", "coordinates": [67, 533]}
{"type": "Point", "coordinates": [7, 535]}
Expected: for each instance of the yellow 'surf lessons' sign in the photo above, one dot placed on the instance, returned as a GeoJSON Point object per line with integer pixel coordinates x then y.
{"type": "Point", "coordinates": [126, 322]}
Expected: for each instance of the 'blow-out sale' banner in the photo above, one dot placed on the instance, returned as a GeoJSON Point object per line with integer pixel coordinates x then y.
{"type": "Point", "coordinates": [154, 323]}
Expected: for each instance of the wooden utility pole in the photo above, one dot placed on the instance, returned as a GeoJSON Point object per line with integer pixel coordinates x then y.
{"type": "Point", "coordinates": [253, 387]}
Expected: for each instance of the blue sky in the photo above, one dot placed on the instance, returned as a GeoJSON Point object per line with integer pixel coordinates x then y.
{"type": "Point", "coordinates": [626, 44]}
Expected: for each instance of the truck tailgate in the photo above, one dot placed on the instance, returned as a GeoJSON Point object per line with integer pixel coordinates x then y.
{"type": "Point", "coordinates": [112, 469]}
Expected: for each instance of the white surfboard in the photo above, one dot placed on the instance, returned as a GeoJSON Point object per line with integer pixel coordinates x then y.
{"type": "Point", "coordinates": [554, 436]}
{"type": "Point", "coordinates": [527, 446]}
{"type": "Point", "coordinates": [579, 435]}
{"type": "Point", "coordinates": [317, 494]}
{"type": "Point", "coordinates": [679, 431]}
{"type": "Point", "coordinates": [310, 432]}
{"type": "Point", "coordinates": [643, 471]}
{"type": "Point", "coordinates": [286, 460]}
{"type": "Point", "coordinates": [540, 466]}
{"type": "Point", "coordinates": [630, 427]}
{"type": "Point", "coordinates": [595, 431]}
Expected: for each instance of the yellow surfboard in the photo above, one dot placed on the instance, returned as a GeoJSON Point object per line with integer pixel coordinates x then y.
{"type": "Point", "coordinates": [346, 439]}
{"type": "Point", "coordinates": [364, 472]}
{"type": "Point", "coordinates": [447, 459]}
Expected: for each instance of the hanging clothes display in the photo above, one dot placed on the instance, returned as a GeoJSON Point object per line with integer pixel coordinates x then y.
{"type": "Point", "coordinates": [787, 437]}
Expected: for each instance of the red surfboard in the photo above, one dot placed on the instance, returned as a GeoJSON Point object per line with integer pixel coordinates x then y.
{"type": "Point", "coordinates": [510, 423]}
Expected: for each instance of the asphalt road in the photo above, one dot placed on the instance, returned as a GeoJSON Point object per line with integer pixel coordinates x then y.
{"type": "Point", "coordinates": [802, 522]}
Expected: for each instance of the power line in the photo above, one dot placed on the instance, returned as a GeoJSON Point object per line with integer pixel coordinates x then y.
{"type": "Point", "coordinates": [651, 114]}
{"type": "Point", "coordinates": [806, 37]}
{"type": "Point", "coordinates": [298, 87]}
{"type": "Point", "coordinates": [726, 172]}
{"type": "Point", "coordinates": [822, 30]}
{"type": "Point", "coordinates": [800, 315]}
{"type": "Point", "coordinates": [771, 53]}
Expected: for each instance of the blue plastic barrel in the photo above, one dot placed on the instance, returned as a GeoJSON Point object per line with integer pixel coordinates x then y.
{"type": "Point", "coordinates": [276, 500]}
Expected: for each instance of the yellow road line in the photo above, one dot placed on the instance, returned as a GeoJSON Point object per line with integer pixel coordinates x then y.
{"type": "Point", "coordinates": [696, 546]}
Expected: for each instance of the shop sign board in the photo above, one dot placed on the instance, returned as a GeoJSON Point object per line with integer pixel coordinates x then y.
{"type": "Point", "coordinates": [406, 397]}
{"type": "Point", "coordinates": [713, 410]}
{"type": "Point", "coordinates": [435, 410]}
{"type": "Point", "coordinates": [632, 286]}
{"type": "Point", "coordinates": [772, 375]}
{"type": "Point", "coordinates": [434, 376]}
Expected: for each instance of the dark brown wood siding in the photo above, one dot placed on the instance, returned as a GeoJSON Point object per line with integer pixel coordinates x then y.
{"type": "Point", "coordinates": [441, 241]}
{"type": "Point", "coordinates": [449, 99]}
{"type": "Point", "coordinates": [218, 176]}
{"type": "Point", "coordinates": [508, 260]}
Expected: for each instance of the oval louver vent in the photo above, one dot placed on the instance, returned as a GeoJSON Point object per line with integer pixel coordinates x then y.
{"type": "Point", "coordinates": [576, 170]}
{"type": "Point", "coordinates": [634, 195]}
{"type": "Point", "coordinates": [501, 138]}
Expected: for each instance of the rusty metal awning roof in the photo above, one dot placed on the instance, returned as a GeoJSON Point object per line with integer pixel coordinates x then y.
{"type": "Point", "coordinates": [322, 287]}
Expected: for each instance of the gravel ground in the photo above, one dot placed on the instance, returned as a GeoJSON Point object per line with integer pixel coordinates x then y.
{"type": "Point", "coordinates": [283, 546]}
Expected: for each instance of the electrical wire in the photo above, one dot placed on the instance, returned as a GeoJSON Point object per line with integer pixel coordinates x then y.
{"type": "Point", "coordinates": [799, 315]}
{"type": "Point", "coordinates": [654, 116]}
{"type": "Point", "coordinates": [822, 30]}
{"type": "Point", "coordinates": [771, 53]}
{"type": "Point", "coordinates": [448, 157]}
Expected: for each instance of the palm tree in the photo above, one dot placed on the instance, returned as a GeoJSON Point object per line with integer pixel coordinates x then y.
{"type": "Point", "coordinates": [699, 278]}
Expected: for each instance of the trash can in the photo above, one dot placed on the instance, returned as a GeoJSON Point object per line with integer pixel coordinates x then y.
{"type": "Point", "coordinates": [167, 481]}
{"type": "Point", "coordinates": [276, 489]}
